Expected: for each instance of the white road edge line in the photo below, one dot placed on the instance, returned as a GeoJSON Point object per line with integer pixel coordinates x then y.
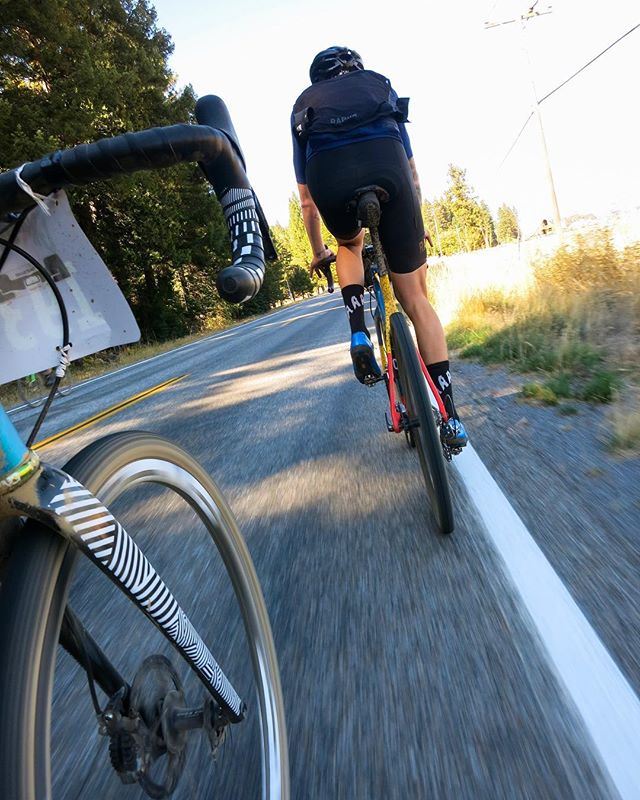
{"type": "Point", "coordinates": [605, 700]}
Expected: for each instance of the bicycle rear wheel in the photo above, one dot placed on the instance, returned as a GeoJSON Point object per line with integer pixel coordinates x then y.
{"type": "Point", "coordinates": [382, 347]}
{"type": "Point", "coordinates": [415, 395]}
{"type": "Point", "coordinates": [33, 600]}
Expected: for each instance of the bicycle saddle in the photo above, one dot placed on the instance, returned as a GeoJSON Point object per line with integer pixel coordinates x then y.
{"type": "Point", "coordinates": [367, 201]}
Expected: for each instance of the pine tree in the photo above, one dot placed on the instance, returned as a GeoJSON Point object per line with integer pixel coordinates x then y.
{"type": "Point", "coordinates": [507, 227]}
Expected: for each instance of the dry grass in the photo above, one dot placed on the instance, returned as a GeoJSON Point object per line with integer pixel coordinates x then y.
{"type": "Point", "coordinates": [575, 321]}
{"type": "Point", "coordinates": [99, 364]}
{"type": "Point", "coordinates": [626, 430]}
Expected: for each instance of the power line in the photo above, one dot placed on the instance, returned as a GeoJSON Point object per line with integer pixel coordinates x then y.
{"type": "Point", "coordinates": [516, 140]}
{"type": "Point", "coordinates": [530, 14]}
{"type": "Point", "coordinates": [564, 83]}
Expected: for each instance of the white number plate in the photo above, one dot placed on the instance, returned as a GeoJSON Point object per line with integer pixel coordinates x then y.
{"type": "Point", "coordinates": [30, 322]}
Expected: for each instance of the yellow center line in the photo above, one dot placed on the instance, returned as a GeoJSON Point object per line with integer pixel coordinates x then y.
{"type": "Point", "coordinates": [136, 398]}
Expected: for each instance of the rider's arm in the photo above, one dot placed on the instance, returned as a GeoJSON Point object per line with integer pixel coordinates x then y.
{"type": "Point", "coordinates": [409, 151]}
{"type": "Point", "coordinates": [416, 179]}
{"type": "Point", "coordinates": [310, 213]}
{"type": "Point", "coordinates": [311, 218]}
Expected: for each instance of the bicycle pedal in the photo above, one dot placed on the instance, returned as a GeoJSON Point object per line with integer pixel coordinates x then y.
{"type": "Point", "coordinates": [449, 452]}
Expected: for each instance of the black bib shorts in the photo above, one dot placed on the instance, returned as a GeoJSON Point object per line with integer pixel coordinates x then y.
{"type": "Point", "coordinates": [334, 175]}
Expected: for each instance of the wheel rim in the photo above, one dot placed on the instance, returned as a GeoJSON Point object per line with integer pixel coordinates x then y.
{"type": "Point", "coordinates": [248, 593]}
{"type": "Point", "coordinates": [426, 437]}
{"type": "Point", "coordinates": [212, 510]}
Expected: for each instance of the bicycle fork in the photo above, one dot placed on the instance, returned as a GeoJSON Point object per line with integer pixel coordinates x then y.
{"type": "Point", "coordinates": [55, 499]}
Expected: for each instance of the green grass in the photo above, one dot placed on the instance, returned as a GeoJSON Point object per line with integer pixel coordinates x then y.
{"type": "Point", "coordinates": [560, 385]}
{"type": "Point", "coordinates": [458, 338]}
{"type": "Point", "coordinates": [602, 387]}
{"type": "Point", "coordinates": [541, 393]}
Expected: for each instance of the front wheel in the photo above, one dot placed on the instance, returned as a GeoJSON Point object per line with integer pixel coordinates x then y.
{"type": "Point", "coordinates": [48, 730]}
{"type": "Point", "coordinates": [413, 390]}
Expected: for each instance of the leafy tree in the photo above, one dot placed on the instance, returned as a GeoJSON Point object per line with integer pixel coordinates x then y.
{"type": "Point", "coordinates": [75, 70]}
{"type": "Point", "coordinates": [72, 71]}
{"type": "Point", "coordinates": [458, 221]}
{"type": "Point", "coordinates": [298, 242]}
{"type": "Point", "coordinates": [486, 225]}
{"type": "Point", "coordinates": [507, 227]}
{"type": "Point", "coordinates": [280, 239]}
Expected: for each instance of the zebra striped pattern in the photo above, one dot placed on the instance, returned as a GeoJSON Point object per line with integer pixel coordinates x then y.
{"type": "Point", "coordinates": [240, 213]}
{"type": "Point", "coordinates": [101, 537]}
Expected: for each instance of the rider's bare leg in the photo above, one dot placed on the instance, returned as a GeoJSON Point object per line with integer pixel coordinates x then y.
{"type": "Point", "coordinates": [349, 261]}
{"type": "Point", "coordinates": [411, 291]}
{"type": "Point", "coordinates": [350, 271]}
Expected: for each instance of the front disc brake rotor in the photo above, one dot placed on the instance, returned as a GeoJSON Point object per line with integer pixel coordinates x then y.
{"type": "Point", "coordinates": [155, 693]}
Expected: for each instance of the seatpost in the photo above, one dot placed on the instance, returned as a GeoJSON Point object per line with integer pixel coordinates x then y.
{"type": "Point", "coordinates": [368, 214]}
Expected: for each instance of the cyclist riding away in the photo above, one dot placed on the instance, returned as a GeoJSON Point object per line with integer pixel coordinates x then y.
{"type": "Point", "coordinates": [349, 132]}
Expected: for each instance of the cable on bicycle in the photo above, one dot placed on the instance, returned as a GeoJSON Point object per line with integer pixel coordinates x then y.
{"type": "Point", "coordinates": [66, 344]}
{"type": "Point", "coordinates": [20, 219]}
{"type": "Point", "coordinates": [76, 633]}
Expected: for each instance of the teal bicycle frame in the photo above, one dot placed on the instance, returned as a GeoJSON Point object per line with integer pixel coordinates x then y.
{"type": "Point", "coordinates": [29, 488]}
{"type": "Point", "coordinates": [14, 455]}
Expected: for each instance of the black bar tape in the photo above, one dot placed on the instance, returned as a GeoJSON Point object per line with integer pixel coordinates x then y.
{"type": "Point", "coordinates": [211, 110]}
{"type": "Point", "coordinates": [242, 280]}
{"type": "Point", "coordinates": [214, 146]}
{"type": "Point", "coordinates": [151, 149]}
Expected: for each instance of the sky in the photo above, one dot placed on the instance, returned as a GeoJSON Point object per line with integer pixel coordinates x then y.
{"type": "Point", "coordinates": [471, 90]}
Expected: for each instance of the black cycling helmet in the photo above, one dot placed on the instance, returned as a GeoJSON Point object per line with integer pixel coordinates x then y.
{"type": "Point", "coordinates": [333, 62]}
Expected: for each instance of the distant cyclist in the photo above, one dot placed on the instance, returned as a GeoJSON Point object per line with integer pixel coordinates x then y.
{"type": "Point", "coordinates": [349, 132]}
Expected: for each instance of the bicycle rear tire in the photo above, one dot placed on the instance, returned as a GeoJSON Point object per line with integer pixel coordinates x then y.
{"type": "Point", "coordinates": [34, 597]}
{"type": "Point", "coordinates": [416, 399]}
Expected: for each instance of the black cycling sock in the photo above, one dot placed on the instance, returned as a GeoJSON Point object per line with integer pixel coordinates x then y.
{"type": "Point", "coordinates": [440, 375]}
{"type": "Point", "coordinates": [353, 297]}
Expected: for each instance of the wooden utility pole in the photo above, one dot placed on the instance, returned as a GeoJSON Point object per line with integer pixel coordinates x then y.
{"type": "Point", "coordinates": [530, 14]}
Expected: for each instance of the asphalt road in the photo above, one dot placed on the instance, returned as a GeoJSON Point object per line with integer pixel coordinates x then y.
{"type": "Point", "coordinates": [410, 667]}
